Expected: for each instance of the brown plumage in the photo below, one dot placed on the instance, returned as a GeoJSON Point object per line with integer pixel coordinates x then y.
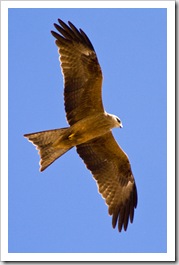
{"type": "Point", "coordinates": [90, 126]}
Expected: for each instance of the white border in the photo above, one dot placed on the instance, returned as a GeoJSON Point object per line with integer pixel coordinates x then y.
{"type": "Point", "coordinates": [170, 255]}
{"type": "Point", "coordinates": [87, 4]}
{"type": "Point", "coordinates": [171, 129]}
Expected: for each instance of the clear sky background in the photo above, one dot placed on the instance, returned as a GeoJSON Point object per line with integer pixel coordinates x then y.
{"type": "Point", "coordinates": [60, 210]}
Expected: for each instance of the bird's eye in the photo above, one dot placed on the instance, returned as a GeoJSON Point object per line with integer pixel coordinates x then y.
{"type": "Point", "coordinates": [118, 120]}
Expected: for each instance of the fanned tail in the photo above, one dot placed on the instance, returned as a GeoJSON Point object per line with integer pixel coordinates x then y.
{"type": "Point", "coordinates": [45, 143]}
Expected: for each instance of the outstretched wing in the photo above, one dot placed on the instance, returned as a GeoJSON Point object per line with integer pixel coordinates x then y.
{"type": "Point", "coordinates": [111, 169]}
{"type": "Point", "coordinates": [81, 70]}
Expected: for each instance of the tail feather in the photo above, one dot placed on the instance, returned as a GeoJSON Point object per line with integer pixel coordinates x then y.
{"type": "Point", "coordinates": [44, 142]}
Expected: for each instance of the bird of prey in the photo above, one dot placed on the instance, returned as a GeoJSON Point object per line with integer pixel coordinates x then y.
{"type": "Point", "coordinates": [89, 126]}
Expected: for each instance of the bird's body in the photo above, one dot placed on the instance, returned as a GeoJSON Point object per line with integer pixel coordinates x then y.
{"type": "Point", "coordinates": [90, 126]}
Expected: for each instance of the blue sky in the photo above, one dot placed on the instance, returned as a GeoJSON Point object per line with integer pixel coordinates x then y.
{"type": "Point", "coordinates": [60, 209]}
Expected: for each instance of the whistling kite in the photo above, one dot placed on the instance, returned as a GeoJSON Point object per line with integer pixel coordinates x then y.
{"type": "Point", "coordinates": [90, 126]}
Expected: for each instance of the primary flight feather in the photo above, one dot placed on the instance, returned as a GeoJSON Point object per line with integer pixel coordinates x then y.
{"type": "Point", "coordinates": [90, 126]}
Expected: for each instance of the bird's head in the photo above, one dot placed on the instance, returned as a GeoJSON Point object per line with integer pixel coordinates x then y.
{"type": "Point", "coordinates": [115, 120]}
{"type": "Point", "coordinates": [118, 122]}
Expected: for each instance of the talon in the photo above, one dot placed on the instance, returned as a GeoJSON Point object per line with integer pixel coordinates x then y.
{"type": "Point", "coordinates": [70, 137]}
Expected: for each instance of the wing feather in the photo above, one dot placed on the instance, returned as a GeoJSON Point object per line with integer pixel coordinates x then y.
{"type": "Point", "coordinates": [81, 70]}
{"type": "Point", "coordinates": [111, 169]}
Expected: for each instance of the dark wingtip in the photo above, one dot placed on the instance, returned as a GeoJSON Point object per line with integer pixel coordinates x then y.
{"type": "Point", "coordinates": [52, 32]}
{"type": "Point", "coordinates": [60, 21]}
{"type": "Point", "coordinates": [55, 35]}
{"type": "Point", "coordinates": [70, 32]}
